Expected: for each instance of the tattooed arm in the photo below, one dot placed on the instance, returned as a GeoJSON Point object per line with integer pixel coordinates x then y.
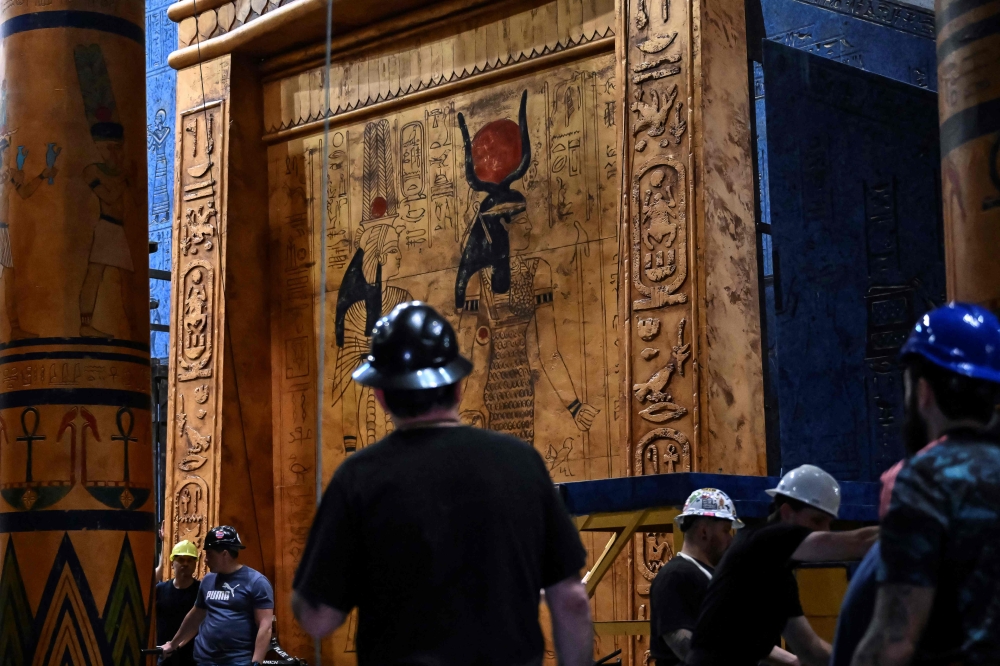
{"type": "Point", "coordinates": [805, 643]}
{"type": "Point", "coordinates": [901, 613]}
{"type": "Point", "coordinates": [680, 642]}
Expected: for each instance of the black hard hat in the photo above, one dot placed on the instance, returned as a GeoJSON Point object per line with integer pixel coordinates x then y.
{"type": "Point", "coordinates": [223, 537]}
{"type": "Point", "coordinates": [413, 347]}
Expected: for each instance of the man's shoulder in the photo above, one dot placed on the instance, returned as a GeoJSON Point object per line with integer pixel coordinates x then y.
{"type": "Point", "coordinates": [959, 451]}
{"type": "Point", "coordinates": [482, 438]}
{"type": "Point", "coordinates": [256, 577]}
{"type": "Point", "coordinates": [764, 538]}
{"type": "Point", "coordinates": [955, 463]}
{"type": "Point", "coordinates": [675, 568]}
{"type": "Point", "coordinates": [251, 573]}
{"type": "Point", "coordinates": [498, 439]}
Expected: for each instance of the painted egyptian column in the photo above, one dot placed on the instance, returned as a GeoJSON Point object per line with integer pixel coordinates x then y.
{"type": "Point", "coordinates": [968, 50]}
{"type": "Point", "coordinates": [76, 508]}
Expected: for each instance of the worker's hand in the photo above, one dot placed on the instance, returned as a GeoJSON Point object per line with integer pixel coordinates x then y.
{"type": "Point", "coordinates": [167, 648]}
{"type": "Point", "coordinates": [585, 417]}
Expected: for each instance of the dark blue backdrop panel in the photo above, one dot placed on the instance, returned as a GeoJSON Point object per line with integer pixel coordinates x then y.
{"type": "Point", "coordinates": [879, 36]}
{"type": "Point", "coordinates": [859, 501]}
{"type": "Point", "coordinates": [161, 110]}
{"type": "Point", "coordinates": [853, 175]}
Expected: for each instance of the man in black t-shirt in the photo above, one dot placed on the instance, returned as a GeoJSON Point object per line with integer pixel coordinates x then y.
{"type": "Point", "coordinates": [707, 521]}
{"type": "Point", "coordinates": [441, 535]}
{"type": "Point", "coordinates": [174, 598]}
{"type": "Point", "coordinates": [753, 599]}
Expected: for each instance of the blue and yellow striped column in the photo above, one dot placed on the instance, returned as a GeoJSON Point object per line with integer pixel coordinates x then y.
{"type": "Point", "coordinates": [76, 508]}
{"type": "Point", "coordinates": [968, 51]}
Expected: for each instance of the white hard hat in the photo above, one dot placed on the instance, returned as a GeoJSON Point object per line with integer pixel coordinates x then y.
{"type": "Point", "coordinates": [710, 503]}
{"type": "Point", "coordinates": [810, 485]}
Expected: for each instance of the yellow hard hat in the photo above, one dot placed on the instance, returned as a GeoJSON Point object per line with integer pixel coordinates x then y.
{"type": "Point", "coordinates": [184, 549]}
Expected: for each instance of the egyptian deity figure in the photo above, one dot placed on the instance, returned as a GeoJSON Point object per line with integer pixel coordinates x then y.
{"type": "Point", "coordinates": [364, 298]}
{"type": "Point", "coordinates": [12, 179]}
{"type": "Point", "coordinates": [110, 180]}
{"type": "Point", "coordinates": [503, 296]}
{"type": "Point", "coordinates": [158, 135]}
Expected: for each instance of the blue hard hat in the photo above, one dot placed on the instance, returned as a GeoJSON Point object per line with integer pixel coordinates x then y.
{"type": "Point", "coordinates": [959, 337]}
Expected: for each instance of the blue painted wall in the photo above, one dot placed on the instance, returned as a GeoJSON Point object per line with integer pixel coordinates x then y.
{"type": "Point", "coordinates": [878, 36]}
{"type": "Point", "coordinates": [161, 80]}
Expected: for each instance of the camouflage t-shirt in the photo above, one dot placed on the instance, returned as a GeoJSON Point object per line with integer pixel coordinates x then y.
{"type": "Point", "coordinates": [943, 531]}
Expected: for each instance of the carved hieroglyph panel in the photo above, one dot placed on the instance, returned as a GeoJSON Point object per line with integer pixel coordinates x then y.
{"type": "Point", "coordinates": [407, 67]}
{"type": "Point", "coordinates": [193, 452]}
{"type": "Point", "coordinates": [663, 328]}
{"type": "Point", "coordinates": [403, 215]}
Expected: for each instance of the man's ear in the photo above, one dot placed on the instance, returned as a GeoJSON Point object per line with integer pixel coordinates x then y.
{"type": "Point", "coordinates": [925, 395]}
{"type": "Point", "coordinates": [380, 396]}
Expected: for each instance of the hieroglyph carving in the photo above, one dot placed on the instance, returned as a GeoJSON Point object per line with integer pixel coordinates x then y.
{"type": "Point", "coordinates": [648, 327]}
{"type": "Point", "coordinates": [659, 232]}
{"type": "Point", "coordinates": [195, 356]}
{"type": "Point", "coordinates": [197, 444]}
{"type": "Point", "coordinates": [656, 551]}
{"type": "Point", "coordinates": [199, 228]}
{"type": "Point", "coordinates": [655, 390]}
{"type": "Point", "coordinates": [661, 451]}
{"type": "Point", "coordinates": [191, 511]}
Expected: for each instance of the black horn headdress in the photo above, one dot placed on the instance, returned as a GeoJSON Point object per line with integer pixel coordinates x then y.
{"type": "Point", "coordinates": [488, 161]}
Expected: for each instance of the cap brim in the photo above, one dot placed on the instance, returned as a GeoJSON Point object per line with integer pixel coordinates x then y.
{"type": "Point", "coordinates": [774, 491]}
{"type": "Point", "coordinates": [426, 378]}
{"type": "Point", "coordinates": [737, 523]}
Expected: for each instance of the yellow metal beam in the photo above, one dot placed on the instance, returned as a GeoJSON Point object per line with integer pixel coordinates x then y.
{"type": "Point", "coordinates": [624, 524]}
{"type": "Point", "coordinates": [623, 628]}
{"type": "Point", "coordinates": [606, 559]}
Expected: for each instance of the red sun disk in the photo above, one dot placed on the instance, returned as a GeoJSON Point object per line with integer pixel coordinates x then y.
{"type": "Point", "coordinates": [496, 150]}
{"type": "Point", "coordinates": [379, 206]}
{"type": "Point", "coordinates": [103, 114]}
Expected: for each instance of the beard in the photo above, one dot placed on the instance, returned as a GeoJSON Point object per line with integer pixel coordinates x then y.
{"type": "Point", "coordinates": [915, 434]}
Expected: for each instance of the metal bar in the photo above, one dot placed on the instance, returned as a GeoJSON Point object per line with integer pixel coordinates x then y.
{"type": "Point", "coordinates": [157, 274]}
{"type": "Point", "coordinates": [608, 559]}
{"type": "Point", "coordinates": [622, 628]}
{"type": "Point", "coordinates": [600, 559]}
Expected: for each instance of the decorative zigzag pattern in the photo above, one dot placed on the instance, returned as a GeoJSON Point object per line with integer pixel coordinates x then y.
{"type": "Point", "coordinates": [369, 80]}
{"type": "Point", "coordinates": [67, 629]}
{"type": "Point", "coordinates": [15, 612]}
{"type": "Point", "coordinates": [67, 616]}
{"type": "Point", "coordinates": [124, 616]}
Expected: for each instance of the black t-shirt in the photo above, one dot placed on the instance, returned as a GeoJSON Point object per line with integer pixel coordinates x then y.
{"type": "Point", "coordinates": [752, 595]}
{"type": "Point", "coordinates": [675, 600]}
{"type": "Point", "coordinates": [172, 605]}
{"type": "Point", "coordinates": [443, 538]}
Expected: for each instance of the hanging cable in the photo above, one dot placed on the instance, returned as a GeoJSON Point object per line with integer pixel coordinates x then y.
{"type": "Point", "coordinates": [209, 141]}
{"type": "Point", "coordinates": [324, 215]}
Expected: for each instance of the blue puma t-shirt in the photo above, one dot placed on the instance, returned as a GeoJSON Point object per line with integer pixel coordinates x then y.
{"type": "Point", "coordinates": [229, 630]}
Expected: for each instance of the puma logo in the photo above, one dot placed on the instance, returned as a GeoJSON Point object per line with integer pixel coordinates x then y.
{"type": "Point", "coordinates": [222, 595]}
